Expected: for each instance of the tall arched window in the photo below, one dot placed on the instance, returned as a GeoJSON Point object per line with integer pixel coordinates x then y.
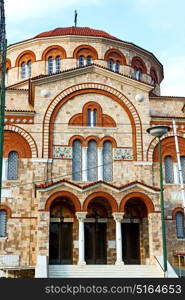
{"type": "Point", "coordinates": [50, 65]}
{"type": "Point", "coordinates": [92, 170]}
{"type": "Point", "coordinates": [23, 70]}
{"type": "Point", "coordinates": [110, 64]}
{"type": "Point", "coordinates": [137, 73]}
{"type": "Point", "coordinates": [77, 161]}
{"type": "Point", "coordinates": [180, 225]}
{"type": "Point", "coordinates": [107, 161]}
{"type": "Point", "coordinates": [29, 67]}
{"type": "Point", "coordinates": [81, 61]}
{"type": "Point", "coordinates": [182, 160]}
{"type": "Point", "coordinates": [91, 117]}
{"type": "Point", "coordinates": [12, 166]}
{"type": "Point", "coordinates": [117, 66]}
{"type": "Point", "coordinates": [169, 174]}
{"type": "Point", "coordinates": [57, 63]}
{"type": "Point", "coordinates": [89, 60]}
{"type": "Point", "coordinates": [3, 221]}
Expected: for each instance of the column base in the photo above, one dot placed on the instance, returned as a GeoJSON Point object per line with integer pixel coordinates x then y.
{"type": "Point", "coordinates": [119, 263]}
{"type": "Point", "coordinates": [81, 263]}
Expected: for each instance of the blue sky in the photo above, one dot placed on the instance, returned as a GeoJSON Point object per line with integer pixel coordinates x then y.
{"type": "Point", "coordinates": [156, 25]}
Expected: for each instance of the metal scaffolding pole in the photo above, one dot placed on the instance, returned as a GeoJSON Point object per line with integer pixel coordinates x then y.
{"type": "Point", "coordinates": [3, 45]}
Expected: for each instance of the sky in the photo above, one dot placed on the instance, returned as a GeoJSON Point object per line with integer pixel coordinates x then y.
{"type": "Point", "coordinates": [155, 25]}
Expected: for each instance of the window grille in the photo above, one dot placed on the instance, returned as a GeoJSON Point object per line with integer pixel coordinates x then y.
{"type": "Point", "coordinates": [92, 173]}
{"type": "Point", "coordinates": [169, 173]}
{"type": "Point", "coordinates": [57, 62]}
{"type": "Point", "coordinates": [23, 70]}
{"type": "Point", "coordinates": [50, 65]}
{"type": "Point", "coordinates": [77, 161]}
{"type": "Point", "coordinates": [3, 221]}
{"type": "Point", "coordinates": [12, 166]}
{"type": "Point", "coordinates": [81, 61]}
{"type": "Point", "coordinates": [180, 225]}
{"type": "Point", "coordinates": [182, 160]}
{"type": "Point", "coordinates": [89, 60]}
{"type": "Point", "coordinates": [107, 161]}
{"type": "Point", "coordinates": [29, 68]}
{"type": "Point", "coordinates": [117, 66]}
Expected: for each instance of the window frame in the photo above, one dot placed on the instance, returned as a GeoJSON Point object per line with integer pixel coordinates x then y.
{"type": "Point", "coordinates": [15, 166]}
{"type": "Point", "coordinates": [180, 231]}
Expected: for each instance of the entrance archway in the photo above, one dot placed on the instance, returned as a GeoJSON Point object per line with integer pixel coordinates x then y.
{"type": "Point", "coordinates": [98, 214]}
{"type": "Point", "coordinates": [62, 214]}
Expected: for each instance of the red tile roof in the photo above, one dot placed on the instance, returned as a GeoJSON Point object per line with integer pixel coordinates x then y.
{"type": "Point", "coordinates": [81, 31]}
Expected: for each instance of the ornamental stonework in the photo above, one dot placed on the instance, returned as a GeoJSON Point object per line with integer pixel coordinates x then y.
{"type": "Point", "coordinates": [123, 154]}
{"type": "Point", "coordinates": [62, 152]}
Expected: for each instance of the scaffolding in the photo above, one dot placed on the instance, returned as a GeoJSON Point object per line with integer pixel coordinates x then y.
{"type": "Point", "coordinates": [3, 45]}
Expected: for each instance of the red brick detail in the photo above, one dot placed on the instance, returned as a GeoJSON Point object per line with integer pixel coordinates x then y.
{"type": "Point", "coordinates": [15, 142]}
{"type": "Point", "coordinates": [153, 74]}
{"type": "Point", "coordinates": [63, 194]}
{"type": "Point", "coordinates": [54, 51]}
{"type": "Point", "coordinates": [110, 139]}
{"type": "Point", "coordinates": [176, 210]}
{"type": "Point", "coordinates": [7, 209]}
{"type": "Point", "coordinates": [25, 56]}
{"type": "Point", "coordinates": [168, 148]}
{"type": "Point", "coordinates": [115, 55]}
{"type": "Point", "coordinates": [8, 64]}
{"type": "Point", "coordinates": [19, 119]}
{"type": "Point", "coordinates": [76, 137]}
{"type": "Point", "coordinates": [104, 195]}
{"type": "Point", "coordinates": [148, 202]}
{"type": "Point", "coordinates": [138, 63]}
{"type": "Point", "coordinates": [85, 50]}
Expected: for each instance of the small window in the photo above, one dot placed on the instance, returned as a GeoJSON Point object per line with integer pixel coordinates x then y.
{"type": "Point", "coordinates": [29, 68]}
{"type": "Point", "coordinates": [81, 61]}
{"type": "Point", "coordinates": [57, 62]}
{"type": "Point", "coordinates": [94, 117]}
{"type": "Point", "coordinates": [88, 117]}
{"type": "Point", "coordinates": [117, 66]}
{"type": "Point", "coordinates": [3, 221]}
{"type": "Point", "coordinates": [12, 166]}
{"type": "Point", "coordinates": [182, 160]}
{"type": "Point", "coordinates": [180, 225]}
{"type": "Point", "coordinates": [77, 161]}
{"type": "Point", "coordinates": [137, 74]}
{"type": "Point", "coordinates": [110, 64]}
{"type": "Point", "coordinates": [23, 70]}
{"type": "Point", "coordinates": [92, 172]}
{"type": "Point", "coordinates": [89, 60]}
{"type": "Point", "coordinates": [50, 65]}
{"type": "Point", "coordinates": [107, 161]}
{"type": "Point", "coordinates": [169, 173]}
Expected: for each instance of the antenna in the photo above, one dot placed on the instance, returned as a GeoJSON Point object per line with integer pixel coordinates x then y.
{"type": "Point", "coordinates": [75, 20]}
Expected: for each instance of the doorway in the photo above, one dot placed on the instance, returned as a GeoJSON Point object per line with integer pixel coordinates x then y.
{"type": "Point", "coordinates": [130, 243]}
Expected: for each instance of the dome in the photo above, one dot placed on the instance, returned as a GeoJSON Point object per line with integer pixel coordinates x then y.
{"type": "Point", "coordinates": [81, 31]}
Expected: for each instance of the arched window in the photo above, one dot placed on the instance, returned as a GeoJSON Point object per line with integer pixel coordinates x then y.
{"type": "Point", "coordinates": [12, 166]}
{"type": "Point", "coordinates": [94, 117]}
{"type": "Point", "coordinates": [110, 64]}
{"type": "Point", "coordinates": [89, 60]}
{"type": "Point", "coordinates": [137, 74]}
{"type": "Point", "coordinates": [3, 222]}
{"type": "Point", "coordinates": [117, 66]}
{"type": "Point", "coordinates": [50, 65]}
{"type": "Point", "coordinates": [91, 117]}
{"type": "Point", "coordinates": [29, 66]}
{"type": "Point", "coordinates": [180, 225]}
{"type": "Point", "coordinates": [77, 161]}
{"type": "Point", "coordinates": [182, 160]}
{"type": "Point", "coordinates": [169, 174]}
{"type": "Point", "coordinates": [92, 173]}
{"type": "Point", "coordinates": [81, 61]}
{"type": "Point", "coordinates": [23, 70]}
{"type": "Point", "coordinates": [107, 161]}
{"type": "Point", "coordinates": [57, 62]}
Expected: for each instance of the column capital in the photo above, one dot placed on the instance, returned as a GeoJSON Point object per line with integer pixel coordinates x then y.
{"type": "Point", "coordinates": [118, 216]}
{"type": "Point", "coordinates": [81, 215]}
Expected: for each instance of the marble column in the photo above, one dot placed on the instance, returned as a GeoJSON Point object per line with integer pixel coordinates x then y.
{"type": "Point", "coordinates": [81, 239]}
{"type": "Point", "coordinates": [119, 257]}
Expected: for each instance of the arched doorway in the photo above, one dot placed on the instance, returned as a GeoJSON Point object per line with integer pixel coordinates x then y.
{"type": "Point", "coordinates": [98, 214]}
{"type": "Point", "coordinates": [135, 240]}
{"type": "Point", "coordinates": [62, 213]}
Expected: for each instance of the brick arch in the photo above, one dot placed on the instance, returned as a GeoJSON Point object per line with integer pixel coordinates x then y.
{"type": "Point", "coordinates": [8, 64]}
{"type": "Point", "coordinates": [153, 144]}
{"type": "Point", "coordinates": [26, 136]}
{"type": "Point", "coordinates": [54, 51]}
{"type": "Point", "coordinates": [110, 139]}
{"type": "Point", "coordinates": [85, 50]}
{"type": "Point", "coordinates": [91, 138]}
{"type": "Point", "coordinates": [61, 194]}
{"type": "Point", "coordinates": [143, 197]}
{"type": "Point", "coordinates": [97, 88]}
{"type": "Point", "coordinates": [7, 209]}
{"type": "Point", "coordinates": [104, 195]}
{"type": "Point", "coordinates": [139, 63]}
{"type": "Point", "coordinates": [25, 56]}
{"type": "Point", "coordinates": [115, 54]}
{"type": "Point", "coordinates": [176, 210]}
{"type": "Point", "coordinates": [76, 137]}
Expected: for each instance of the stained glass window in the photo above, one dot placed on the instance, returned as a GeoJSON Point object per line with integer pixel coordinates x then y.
{"type": "Point", "coordinates": [57, 62]}
{"type": "Point", "coordinates": [169, 174]}
{"type": "Point", "coordinates": [12, 166]}
{"type": "Point", "coordinates": [3, 219]}
{"type": "Point", "coordinates": [92, 170]}
{"type": "Point", "coordinates": [50, 65]}
{"type": "Point", "coordinates": [182, 159]}
{"type": "Point", "coordinates": [180, 225]}
{"type": "Point", "coordinates": [77, 161]}
{"type": "Point", "coordinates": [107, 161]}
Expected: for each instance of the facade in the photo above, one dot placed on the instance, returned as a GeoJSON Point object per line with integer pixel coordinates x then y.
{"type": "Point", "coordinates": [80, 172]}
